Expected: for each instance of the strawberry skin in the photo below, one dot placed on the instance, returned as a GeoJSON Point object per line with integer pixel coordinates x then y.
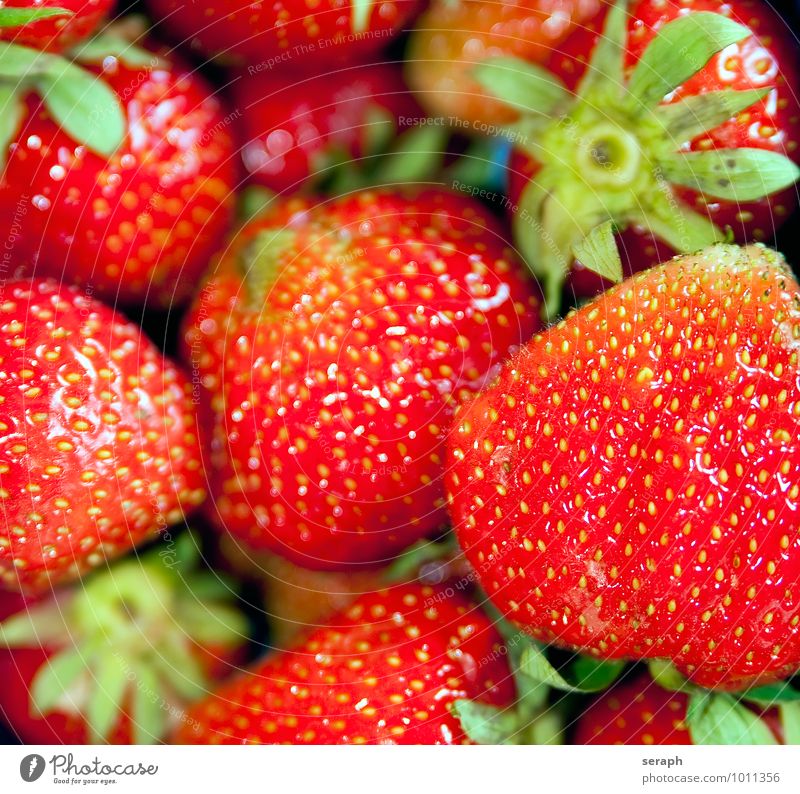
{"type": "Point", "coordinates": [334, 381]}
{"type": "Point", "coordinates": [141, 225]}
{"type": "Point", "coordinates": [291, 132]}
{"type": "Point", "coordinates": [629, 485]}
{"type": "Point", "coordinates": [383, 672]}
{"type": "Point", "coordinates": [99, 448]}
{"type": "Point", "coordinates": [289, 34]}
{"type": "Point", "coordinates": [639, 711]}
{"type": "Point", "coordinates": [57, 33]}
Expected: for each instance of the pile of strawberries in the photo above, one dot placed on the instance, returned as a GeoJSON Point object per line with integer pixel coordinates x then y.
{"type": "Point", "coordinates": [399, 372]}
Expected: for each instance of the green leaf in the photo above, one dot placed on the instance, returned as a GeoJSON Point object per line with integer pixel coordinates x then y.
{"type": "Point", "coordinates": [149, 715]}
{"type": "Point", "coordinates": [598, 252]}
{"type": "Point", "coordinates": [718, 718]}
{"type": "Point", "coordinates": [680, 49]}
{"type": "Point", "coordinates": [682, 228]}
{"type": "Point", "coordinates": [105, 704]}
{"type": "Point", "coordinates": [595, 675]}
{"type": "Point", "coordinates": [55, 677]}
{"type": "Point", "coordinates": [731, 174]}
{"type": "Point", "coordinates": [790, 722]}
{"type": "Point", "coordinates": [105, 45]}
{"type": "Point", "coordinates": [486, 724]}
{"type": "Point", "coordinates": [17, 61]}
{"type": "Point", "coordinates": [362, 9]}
{"type": "Point", "coordinates": [406, 566]}
{"type": "Point", "coordinates": [525, 86]}
{"type": "Point", "coordinates": [16, 17]}
{"type": "Point", "coordinates": [41, 625]}
{"type": "Point", "coordinates": [12, 111]}
{"type": "Point", "coordinates": [666, 675]}
{"type": "Point", "coordinates": [209, 623]}
{"type": "Point", "coordinates": [379, 130]}
{"type": "Point", "coordinates": [772, 694]}
{"type": "Point", "coordinates": [535, 664]}
{"type": "Point", "coordinates": [685, 120]}
{"type": "Point", "coordinates": [84, 106]}
{"type": "Point", "coordinates": [608, 58]}
{"type": "Point", "coordinates": [417, 156]}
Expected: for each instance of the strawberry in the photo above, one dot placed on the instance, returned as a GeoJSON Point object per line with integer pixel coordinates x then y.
{"type": "Point", "coordinates": [639, 711]}
{"type": "Point", "coordinates": [51, 25]}
{"type": "Point", "coordinates": [388, 670]}
{"type": "Point", "coordinates": [290, 35]}
{"type": "Point", "coordinates": [334, 342]}
{"type": "Point", "coordinates": [115, 659]}
{"type": "Point", "coordinates": [309, 134]}
{"type": "Point", "coordinates": [99, 449]}
{"type": "Point", "coordinates": [452, 38]}
{"type": "Point", "coordinates": [661, 115]}
{"type": "Point", "coordinates": [122, 182]}
{"type": "Point", "coordinates": [628, 485]}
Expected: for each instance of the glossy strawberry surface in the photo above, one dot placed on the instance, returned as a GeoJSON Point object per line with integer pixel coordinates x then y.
{"type": "Point", "coordinates": [99, 448]}
{"type": "Point", "coordinates": [334, 342]}
{"type": "Point", "coordinates": [385, 671]}
{"type": "Point", "coordinates": [629, 485]}
{"type": "Point", "coordinates": [141, 225]}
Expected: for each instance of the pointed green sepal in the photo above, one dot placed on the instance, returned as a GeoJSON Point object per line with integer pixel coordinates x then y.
{"type": "Point", "coordinates": [487, 724]}
{"type": "Point", "coordinates": [417, 156]}
{"type": "Point", "coordinates": [525, 86]}
{"type": "Point", "coordinates": [732, 174]}
{"type": "Point", "coordinates": [108, 45]}
{"type": "Point", "coordinates": [109, 684]}
{"type": "Point", "coordinates": [55, 677]}
{"type": "Point", "coordinates": [408, 564]}
{"type": "Point", "coordinates": [683, 121]}
{"type": "Point", "coordinates": [607, 64]}
{"type": "Point", "coordinates": [679, 50]}
{"type": "Point", "coordinates": [718, 718]}
{"type": "Point", "coordinates": [17, 17]}
{"type": "Point", "coordinates": [790, 722]}
{"type": "Point", "coordinates": [591, 676]}
{"type": "Point", "coordinates": [149, 706]}
{"type": "Point", "coordinates": [362, 10]}
{"type": "Point", "coordinates": [598, 252]}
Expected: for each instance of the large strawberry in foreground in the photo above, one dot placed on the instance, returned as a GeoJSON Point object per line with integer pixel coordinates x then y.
{"type": "Point", "coordinates": [629, 485]}
{"type": "Point", "coordinates": [117, 177]}
{"type": "Point", "coordinates": [389, 670]}
{"type": "Point", "coordinates": [289, 35]}
{"type": "Point", "coordinates": [677, 121]}
{"type": "Point", "coordinates": [115, 658]}
{"type": "Point", "coordinates": [334, 342]}
{"type": "Point", "coordinates": [99, 448]}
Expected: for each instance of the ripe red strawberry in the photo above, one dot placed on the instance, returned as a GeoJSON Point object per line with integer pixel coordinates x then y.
{"type": "Point", "coordinates": [128, 192]}
{"type": "Point", "coordinates": [639, 711]}
{"type": "Point", "coordinates": [99, 449]}
{"type": "Point", "coordinates": [683, 123]}
{"type": "Point", "coordinates": [386, 671]}
{"type": "Point", "coordinates": [290, 34]}
{"type": "Point", "coordinates": [335, 341]}
{"type": "Point", "coordinates": [116, 658]}
{"type": "Point", "coordinates": [43, 25]}
{"type": "Point", "coordinates": [295, 135]}
{"type": "Point", "coordinates": [629, 484]}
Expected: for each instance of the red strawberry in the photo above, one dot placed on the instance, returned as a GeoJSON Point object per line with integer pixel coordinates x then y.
{"type": "Point", "coordinates": [99, 449]}
{"type": "Point", "coordinates": [290, 34]}
{"type": "Point", "coordinates": [335, 341]}
{"type": "Point", "coordinates": [115, 659]}
{"type": "Point", "coordinates": [129, 191]}
{"type": "Point", "coordinates": [681, 124]}
{"type": "Point", "coordinates": [386, 671]}
{"type": "Point", "coordinates": [639, 711]}
{"type": "Point", "coordinates": [44, 25]}
{"type": "Point", "coordinates": [296, 135]}
{"type": "Point", "coordinates": [629, 484]}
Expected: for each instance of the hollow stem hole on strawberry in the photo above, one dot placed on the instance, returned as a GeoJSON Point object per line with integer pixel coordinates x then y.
{"type": "Point", "coordinates": [611, 157]}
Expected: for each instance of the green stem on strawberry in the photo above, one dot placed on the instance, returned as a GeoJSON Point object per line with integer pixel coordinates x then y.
{"type": "Point", "coordinates": [612, 151]}
{"type": "Point", "coordinates": [128, 638]}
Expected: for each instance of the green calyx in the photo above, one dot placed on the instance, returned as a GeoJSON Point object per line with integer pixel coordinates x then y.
{"type": "Point", "coordinates": [723, 718]}
{"type": "Point", "coordinates": [128, 641]}
{"type": "Point", "coordinates": [536, 717]}
{"type": "Point", "coordinates": [613, 153]}
{"type": "Point", "coordinates": [262, 262]}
